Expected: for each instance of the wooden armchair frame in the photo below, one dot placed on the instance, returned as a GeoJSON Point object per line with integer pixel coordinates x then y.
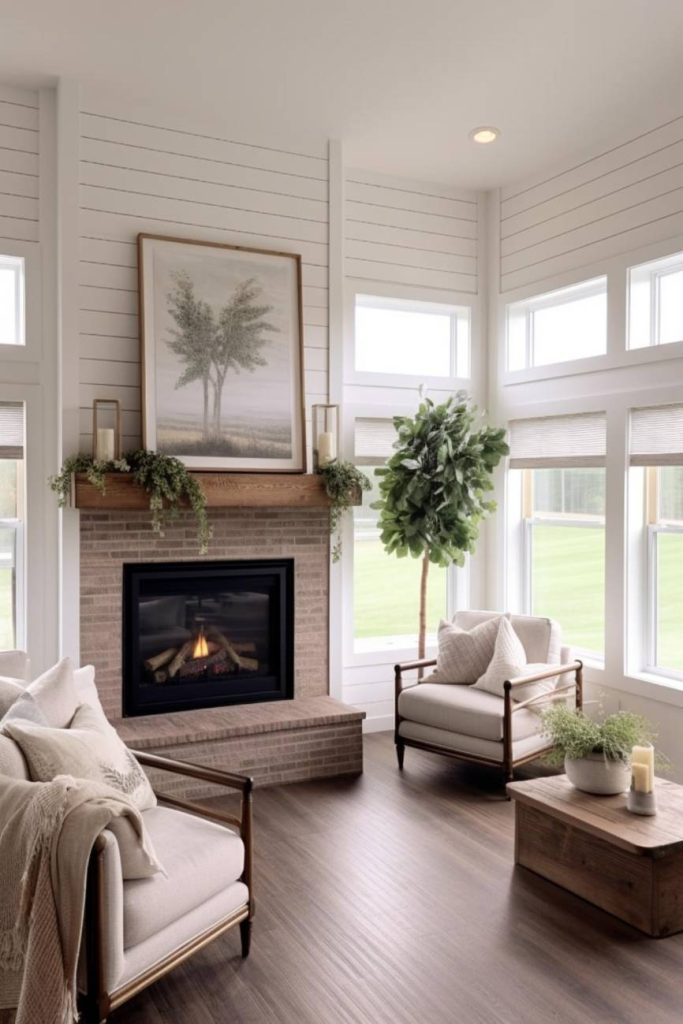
{"type": "Point", "coordinates": [510, 707]}
{"type": "Point", "coordinates": [98, 1002]}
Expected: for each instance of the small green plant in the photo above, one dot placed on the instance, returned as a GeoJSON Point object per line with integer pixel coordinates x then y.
{"type": "Point", "coordinates": [341, 479]}
{"type": "Point", "coordinates": [575, 735]}
{"type": "Point", "coordinates": [165, 479]}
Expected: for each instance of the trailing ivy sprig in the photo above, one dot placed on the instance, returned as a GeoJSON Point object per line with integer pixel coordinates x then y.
{"type": "Point", "coordinates": [342, 479]}
{"type": "Point", "coordinates": [165, 479]}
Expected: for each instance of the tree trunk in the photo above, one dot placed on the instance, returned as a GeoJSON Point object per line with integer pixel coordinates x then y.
{"type": "Point", "coordinates": [217, 402]}
{"type": "Point", "coordinates": [422, 630]}
{"type": "Point", "coordinates": [205, 382]}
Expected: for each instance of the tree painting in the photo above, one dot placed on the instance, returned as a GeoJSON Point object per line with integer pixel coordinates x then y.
{"type": "Point", "coordinates": [210, 343]}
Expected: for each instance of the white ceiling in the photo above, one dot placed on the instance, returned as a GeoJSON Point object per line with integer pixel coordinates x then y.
{"type": "Point", "coordinates": [400, 82]}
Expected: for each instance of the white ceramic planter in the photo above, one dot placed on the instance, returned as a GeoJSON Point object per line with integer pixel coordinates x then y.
{"type": "Point", "coordinates": [597, 774]}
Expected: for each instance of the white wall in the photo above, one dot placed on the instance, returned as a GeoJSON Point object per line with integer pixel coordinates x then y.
{"type": "Point", "coordinates": [599, 217]}
{"type": "Point", "coordinates": [411, 240]}
{"type": "Point", "coordinates": [170, 177]}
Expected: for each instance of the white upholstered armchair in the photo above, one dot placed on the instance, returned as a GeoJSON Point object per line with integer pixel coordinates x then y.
{"type": "Point", "coordinates": [471, 724]}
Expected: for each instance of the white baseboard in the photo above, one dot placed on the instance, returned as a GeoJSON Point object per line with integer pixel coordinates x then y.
{"type": "Point", "coordinates": [381, 723]}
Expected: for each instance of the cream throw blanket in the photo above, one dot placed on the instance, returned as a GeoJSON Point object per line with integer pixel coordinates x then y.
{"type": "Point", "coordinates": [46, 837]}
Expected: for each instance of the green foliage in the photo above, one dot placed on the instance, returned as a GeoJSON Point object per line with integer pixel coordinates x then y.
{"type": "Point", "coordinates": [574, 735]}
{"type": "Point", "coordinates": [164, 478]}
{"type": "Point", "coordinates": [341, 480]}
{"type": "Point", "coordinates": [433, 487]}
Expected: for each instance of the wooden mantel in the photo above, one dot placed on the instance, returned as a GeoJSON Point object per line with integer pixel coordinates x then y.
{"type": "Point", "coordinates": [223, 490]}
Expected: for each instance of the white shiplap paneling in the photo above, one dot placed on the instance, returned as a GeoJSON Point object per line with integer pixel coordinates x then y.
{"type": "Point", "coordinates": [162, 179]}
{"type": "Point", "coordinates": [19, 174]}
{"type": "Point", "coordinates": [627, 197]}
{"type": "Point", "coordinates": [409, 233]}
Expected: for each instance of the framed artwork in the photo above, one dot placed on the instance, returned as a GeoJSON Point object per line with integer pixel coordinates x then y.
{"type": "Point", "coordinates": [222, 355]}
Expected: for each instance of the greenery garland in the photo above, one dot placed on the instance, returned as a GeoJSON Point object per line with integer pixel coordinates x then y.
{"type": "Point", "coordinates": [165, 479]}
{"type": "Point", "coordinates": [342, 479]}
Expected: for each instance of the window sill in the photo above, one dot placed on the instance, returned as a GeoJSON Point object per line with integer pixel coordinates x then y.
{"type": "Point", "coordinates": [648, 686]}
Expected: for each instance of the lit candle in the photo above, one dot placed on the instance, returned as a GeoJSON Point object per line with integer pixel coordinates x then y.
{"type": "Point", "coordinates": [104, 449]}
{"type": "Point", "coordinates": [643, 758]}
{"type": "Point", "coordinates": [327, 448]}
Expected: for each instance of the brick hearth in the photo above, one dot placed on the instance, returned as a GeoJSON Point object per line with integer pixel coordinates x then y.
{"type": "Point", "coordinates": [283, 741]}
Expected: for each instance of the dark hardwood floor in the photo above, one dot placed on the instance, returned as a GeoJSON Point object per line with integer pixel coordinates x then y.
{"type": "Point", "coordinates": [393, 898]}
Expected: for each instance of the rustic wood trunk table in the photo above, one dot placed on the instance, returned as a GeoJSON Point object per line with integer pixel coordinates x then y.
{"type": "Point", "coordinates": [629, 865]}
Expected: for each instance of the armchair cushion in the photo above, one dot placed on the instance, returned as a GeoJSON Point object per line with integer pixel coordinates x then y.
{"type": "Point", "coordinates": [14, 664]}
{"type": "Point", "coordinates": [464, 654]}
{"type": "Point", "coordinates": [201, 860]}
{"type": "Point", "coordinates": [463, 709]}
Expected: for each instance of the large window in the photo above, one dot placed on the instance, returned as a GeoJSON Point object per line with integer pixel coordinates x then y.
{"type": "Point", "coordinates": [655, 302]}
{"type": "Point", "coordinates": [567, 324]}
{"type": "Point", "coordinates": [418, 339]}
{"type": "Point", "coordinates": [12, 503]}
{"type": "Point", "coordinates": [561, 462]}
{"type": "Point", "coordinates": [385, 588]}
{"type": "Point", "coordinates": [12, 320]}
{"type": "Point", "coordinates": [657, 445]}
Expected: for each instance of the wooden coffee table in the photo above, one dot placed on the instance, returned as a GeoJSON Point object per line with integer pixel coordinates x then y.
{"type": "Point", "coordinates": [630, 866]}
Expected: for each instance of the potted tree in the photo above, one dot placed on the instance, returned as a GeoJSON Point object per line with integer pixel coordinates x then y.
{"type": "Point", "coordinates": [433, 488]}
{"type": "Point", "coordinates": [596, 755]}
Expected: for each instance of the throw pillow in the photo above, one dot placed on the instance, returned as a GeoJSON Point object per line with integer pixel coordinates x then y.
{"type": "Point", "coordinates": [138, 860]}
{"type": "Point", "coordinates": [14, 664]}
{"type": "Point", "coordinates": [463, 655]}
{"type": "Point", "coordinates": [10, 690]}
{"type": "Point", "coordinates": [24, 709]}
{"type": "Point", "coordinates": [84, 678]}
{"type": "Point", "coordinates": [88, 749]}
{"type": "Point", "coordinates": [508, 662]}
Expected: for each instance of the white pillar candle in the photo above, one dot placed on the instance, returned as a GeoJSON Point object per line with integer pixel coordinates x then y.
{"type": "Point", "coordinates": [104, 448]}
{"type": "Point", "coordinates": [641, 778]}
{"type": "Point", "coordinates": [644, 757]}
{"type": "Point", "coordinates": [327, 448]}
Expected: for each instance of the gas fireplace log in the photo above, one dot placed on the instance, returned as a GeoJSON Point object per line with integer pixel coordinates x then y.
{"type": "Point", "coordinates": [250, 664]}
{"type": "Point", "coordinates": [181, 657]}
{"type": "Point", "coordinates": [225, 644]}
{"type": "Point", "coordinates": [161, 675]}
{"type": "Point", "coordinates": [159, 660]}
{"type": "Point", "coordinates": [196, 666]}
{"type": "Point", "coordinates": [244, 647]}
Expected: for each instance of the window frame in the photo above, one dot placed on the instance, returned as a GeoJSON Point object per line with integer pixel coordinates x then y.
{"type": "Point", "coordinates": [31, 350]}
{"type": "Point", "coordinates": [654, 278]}
{"type": "Point", "coordinates": [654, 527]}
{"type": "Point", "coordinates": [585, 288]}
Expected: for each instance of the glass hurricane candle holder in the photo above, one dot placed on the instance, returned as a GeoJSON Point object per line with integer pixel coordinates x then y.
{"type": "Point", "coordinates": [106, 430]}
{"type": "Point", "coordinates": [325, 435]}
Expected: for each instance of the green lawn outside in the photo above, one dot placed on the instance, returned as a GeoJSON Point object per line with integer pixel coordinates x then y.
{"type": "Point", "coordinates": [568, 585]}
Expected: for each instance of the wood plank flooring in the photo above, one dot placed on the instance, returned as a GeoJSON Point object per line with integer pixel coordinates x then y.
{"type": "Point", "coordinates": [392, 899]}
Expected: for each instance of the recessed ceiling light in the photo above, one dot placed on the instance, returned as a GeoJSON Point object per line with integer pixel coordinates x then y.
{"type": "Point", "coordinates": [484, 134]}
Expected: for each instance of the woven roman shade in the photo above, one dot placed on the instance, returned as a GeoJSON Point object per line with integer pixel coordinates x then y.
{"type": "Point", "coordinates": [657, 436]}
{"type": "Point", "coordinates": [11, 430]}
{"type": "Point", "coordinates": [373, 440]}
{"type": "Point", "coordinates": [558, 441]}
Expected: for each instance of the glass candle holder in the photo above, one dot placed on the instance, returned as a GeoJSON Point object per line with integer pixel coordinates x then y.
{"type": "Point", "coordinates": [325, 435]}
{"type": "Point", "coordinates": [106, 430]}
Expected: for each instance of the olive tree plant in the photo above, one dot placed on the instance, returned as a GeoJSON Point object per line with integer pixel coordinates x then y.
{"type": "Point", "coordinates": [433, 488]}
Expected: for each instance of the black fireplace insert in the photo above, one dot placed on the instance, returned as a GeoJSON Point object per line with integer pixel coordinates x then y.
{"type": "Point", "coordinates": [205, 634]}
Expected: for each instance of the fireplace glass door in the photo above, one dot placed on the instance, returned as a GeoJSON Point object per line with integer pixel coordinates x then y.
{"type": "Point", "coordinates": [202, 634]}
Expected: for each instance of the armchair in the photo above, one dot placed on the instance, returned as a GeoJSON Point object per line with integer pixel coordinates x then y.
{"type": "Point", "coordinates": [473, 725]}
{"type": "Point", "coordinates": [136, 931]}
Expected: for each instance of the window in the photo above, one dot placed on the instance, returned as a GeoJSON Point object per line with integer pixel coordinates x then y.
{"type": "Point", "coordinates": [657, 445]}
{"type": "Point", "coordinates": [12, 330]}
{"type": "Point", "coordinates": [417, 339]}
{"type": "Point", "coordinates": [385, 588]}
{"type": "Point", "coordinates": [567, 324]}
{"type": "Point", "coordinates": [655, 302]}
{"type": "Point", "coordinates": [12, 502]}
{"type": "Point", "coordinates": [561, 461]}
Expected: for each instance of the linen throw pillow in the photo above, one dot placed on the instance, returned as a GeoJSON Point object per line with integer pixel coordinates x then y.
{"type": "Point", "coordinates": [508, 662]}
{"type": "Point", "coordinates": [88, 749]}
{"type": "Point", "coordinates": [463, 655]}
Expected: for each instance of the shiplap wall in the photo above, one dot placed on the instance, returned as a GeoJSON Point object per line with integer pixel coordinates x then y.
{"type": "Point", "coordinates": [409, 233]}
{"type": "Point", "coordinates": [167, 179]}
{"type": "Point", "coordinates": [627, 197]}
{"type": "Point", "coordinates": [19, 171]}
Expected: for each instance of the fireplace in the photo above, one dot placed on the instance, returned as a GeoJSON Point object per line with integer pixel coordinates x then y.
{"type": "Point", "coordinates": [204, 634]}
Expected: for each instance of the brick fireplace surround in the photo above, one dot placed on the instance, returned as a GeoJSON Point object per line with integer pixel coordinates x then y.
{"type": "Point", "coordinates": [281, 741]}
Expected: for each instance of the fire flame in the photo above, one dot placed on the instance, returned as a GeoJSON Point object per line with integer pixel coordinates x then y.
{"type": "Point", "coordinates": [201, 648]}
